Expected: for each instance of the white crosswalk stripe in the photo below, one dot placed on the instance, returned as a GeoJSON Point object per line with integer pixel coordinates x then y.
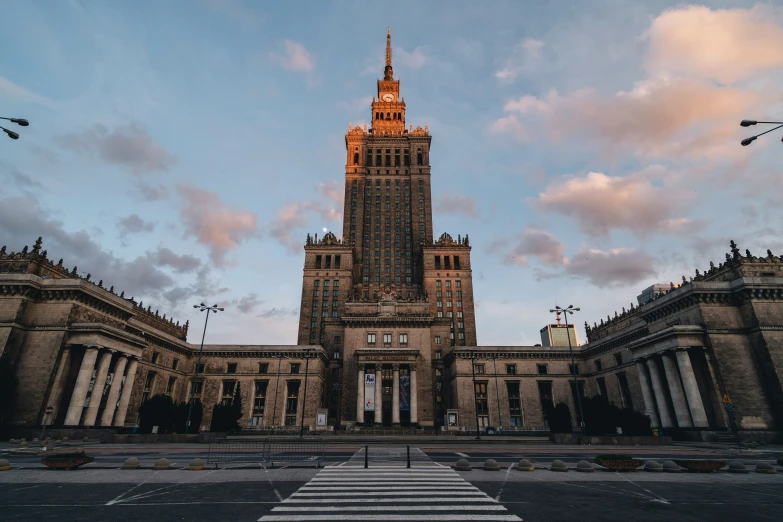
{"type": "Point", "coordinates": [426, 491]}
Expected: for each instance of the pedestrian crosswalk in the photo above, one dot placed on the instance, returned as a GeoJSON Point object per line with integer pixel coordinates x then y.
{"type": "Point", "coordinates": [426, 491]}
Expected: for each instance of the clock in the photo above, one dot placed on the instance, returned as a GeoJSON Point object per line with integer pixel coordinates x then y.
{"type": "Point", "coordinates": [388, 97]}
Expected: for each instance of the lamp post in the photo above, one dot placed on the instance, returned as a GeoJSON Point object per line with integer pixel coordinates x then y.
{"type": "Point", "coordinates": [304, 400]}
{"type": "Point", "coordinates": [565, 311]}
{"type": "Point", "coordinates": [208, 309]}
{"type": "Point", "coordinates": [748, 123]}
{"type": "Point", "coordinates": [19, 121]}
{"type": "Point", "coordinates": [475, 397]}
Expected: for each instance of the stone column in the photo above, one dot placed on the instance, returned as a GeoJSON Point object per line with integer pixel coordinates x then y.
{"type": "Point", "coordinates": [97, 389]}
{"type": "Point", "coordinates": [55, 396]}
{"type": "Point", "coordinates": [647, 394]}
{"type": "Point", "coordinates": [285, 403]}
{"type": "Point", "coordinates": [414, 397]}
{"type": "Point", "coordinates": [396, 396]}
{"type": "Point", "coordinates": [698, 414]}
{"type": "Point", "coordinates": [74, 415]}
{"type": "Point", "coordinates": [660, 395]}
{"type": "Point", "coordinates": [714, 388]}
{"type": "Point", "coordinates": [675, 389]}
{"type": "Point", "coordinates": [360, 396]}
{"type": "Point", "coordinates": [378, 394]}
{"type": "Point", "coordinates": [114, 391]}
{"type": "Point", "coordinates": [122, 407]}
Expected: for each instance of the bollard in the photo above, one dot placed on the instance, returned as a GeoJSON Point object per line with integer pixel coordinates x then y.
{"type": "Point", "coordinates": [365, 457]}
{"type": "Point", "coordinates": [409, 456]}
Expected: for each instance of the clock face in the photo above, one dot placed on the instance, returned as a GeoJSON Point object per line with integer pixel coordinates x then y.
{"type": "Point", "coordinates": [388, 97]}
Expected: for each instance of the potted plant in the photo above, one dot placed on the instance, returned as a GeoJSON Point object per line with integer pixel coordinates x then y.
{"type": "Point", "coordinates": [703, 466]}
{"type": "Point", "coordinates": [618, 462]}
{"type": "Point", "coordinates": [68, 460]}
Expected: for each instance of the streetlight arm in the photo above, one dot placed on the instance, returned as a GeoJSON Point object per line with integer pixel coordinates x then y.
{"type": "Point", "coordinates": [19, 121]}
{"type": "Point", "coordinates": [770, 130]}
{"type": "Point", "coordinates": [748, 123]}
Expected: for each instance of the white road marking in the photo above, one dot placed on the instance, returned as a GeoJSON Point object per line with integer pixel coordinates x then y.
{"type": "Point", "coordinates": [306, 518]}
{"type": "Point", "coordinates": [483, 498]}
{"type": "Point", "coordinates": [500, 491]}
{"type": "Point", "coordinates": [463, 455]}
{"type": "Point", "coordinates": [378, 493]}
{"type": "Point", "coordinates": [393, 508]}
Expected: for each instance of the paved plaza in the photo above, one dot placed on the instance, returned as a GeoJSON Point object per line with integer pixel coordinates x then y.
{"type": "Point", "coordinates": [386, 490]}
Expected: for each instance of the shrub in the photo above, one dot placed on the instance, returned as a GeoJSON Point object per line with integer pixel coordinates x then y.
{"type": "Point", "coordinates": [603, 418]}
{"type": "Point", "coordinates": [181, 417]}
{"type": "Point", "coordinates": [225, 417]}
{"type": "Point", "coordinates": [158, 410]}
{"type": "Point", "coordinates": [559, 418]}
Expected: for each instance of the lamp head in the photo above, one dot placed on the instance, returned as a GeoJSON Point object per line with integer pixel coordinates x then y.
{"type": "Point", "coordinates": [747, 123]}
{"type": "Point", "coordinates": [11, 134]}
{"type": "Point", "coordinates": [748, 141]}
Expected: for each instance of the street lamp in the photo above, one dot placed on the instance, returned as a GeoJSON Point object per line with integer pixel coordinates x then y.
{"type": "Point", "coordinates": [748, 123]}
{"type": "Point", "coordinates": [19, 121]}
{"type": "Point", "coordinates": [475, 397]}
{"type": "Point", "coordinates": [304, 401]}
{"type": "Point", "coordinates": [565, 311]}
{"type": "Point", "coordinates": [202, 307]}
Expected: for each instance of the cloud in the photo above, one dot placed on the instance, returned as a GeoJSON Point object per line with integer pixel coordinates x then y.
{"type": "Point", "coordinates": [659, 117]}
{"type": "Point", "coordinates": [213, 224]}
{"type": "Point", "coordinates": [133, 224]}
{"type": "Point", "coordinates": [727, 45]}
{"type": "Point", "coordinates": [523, 56]}
{"type": "Point", "coordinates": [9, 89]}
{"type": "Point", "coordinates": [153, 192]}
{"type": "Point", "coordinates": [180, 263]}
{"type": "Point", "coordinates": [293, 216]}
{"type": "Point", "coordinates": [600, 203]}
{"type": "Point", "coordinates": [357, 104]}
{"type": "Point", "coordinates": [409, 60]}
{"type": "Point", "coordinates": [615, 268]}
{"type": "Point", "coordinates": [235, 10]}
{"type": "Point", "coordinates": [128, 146]}
{"type": "Point", "coordinates": [533, 242]}
{"type": "Point", "coordinates": [247, 303]}
{"type": "Point", "coordinates": [296, 58]}
{"type": "Point", "coordinates": [449, 203]}
{"type": "Point", "coordinates": [19, 179]}
{"type": "Point", "coordinates": [278, 312]}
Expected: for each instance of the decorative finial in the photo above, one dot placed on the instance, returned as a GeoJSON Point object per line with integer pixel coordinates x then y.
{"type": "Point", "coordinates": [24, 250]}
{"type": "Point", "coordinates": [623, 310]}
{"type": "Point", "coordinates": [100, 283]}
{"type": "Point", "coordinates": [426, 127]}
{"type": "Point", "coordinates": [2, 250]}
{"type": "Point", "coordinates": [111, 289]}
{"type": "Point", "coordinates": [37, 245]}
{"type": "Point", "coordinates": [60, 262]}
{"type": "Point", "coordinates": [87, 277]}
{"type": "Point", "coordinates": [697, 273]}
{"type": "Point", "coordinates": [74, 270]}
{"type": "Point", "coordinates": [44, 253]}
{"type": "Point", "coordinates": [769, 253]}
{"type": "Point", "coordinates": [684, 281]}
{"type": "Point", "coordinates": [747, 253]}
{"type": "Point", "coordinates": [712, 265]}
{"type": "Point", "coordinates": [122, 294]}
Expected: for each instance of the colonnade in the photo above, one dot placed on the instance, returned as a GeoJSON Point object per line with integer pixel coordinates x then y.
{"type": "Point", "coordinates": [678, 382]}
{"type": "Point", "coordinates": [118, 397]}
{"type": "Point", "coordinates": [414, 406]}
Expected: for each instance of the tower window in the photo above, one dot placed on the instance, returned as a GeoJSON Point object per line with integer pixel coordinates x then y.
{"type": "Point", "coordinates": [456, 262]}
{"type": "Point", "coordinates": [437, 263]}
{"type": "Point", "coordinates": [356, 158]}
{"type": "Point", "coordinates": [318, 261]}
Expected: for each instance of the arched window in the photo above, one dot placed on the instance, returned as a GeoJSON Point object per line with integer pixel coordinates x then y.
{"type": "Point", "coordinates": [388, 116]}
{"type": "Point", "coordinates": [355, 158]}
{"type": "Point", "coordinates": [394, 116]}
{"type": "Point", "coordinates": [381, 115]}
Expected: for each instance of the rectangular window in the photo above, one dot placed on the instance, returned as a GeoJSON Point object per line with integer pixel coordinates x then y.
{"type": "Point", "coordinates": [458, 284]}
{"type": "Point", "coordinates": [439, 304]}
{"type": "Point", "coordinates": [195, 389]}
{"type": "Point", "coordinates": [573, 369]}
{"type": "Point", "coordinates": [448, 293]}
{"type": "Point", "coordinates": [228, 392]}
{"type": "Point", "coordinates": [447, 264]}
{"type": "Point", "coordinates": [514, 403]}
{"type": "Point", "coordinates": [295, 367]}
{"type": "Point", "coordinates": [437, 284]}
{"type": "Point", "coordinates": [259, 402]}
{"type": "Point", "coordinates": [437, 339]}
{"type": "Point", "coordinates": [598, 366]}
{"type": "Point", "coordinates": [511, 369]}
{"type": "Point", "coordinates": [618, 359]}
{"type": "Point", "coordinates": [403, 339]}
{"type": "Point", "coordinates": [461, 336]}
{"type": "Point", "coordinates": [371, 339]}
{"type": "Point", "coordinates": [438, 353]}
{"type": "Point", "coordinates": [625, 391]}
{"type": "Point", "coordinates": [456, 262]}
{"type": "Point", "coordinates": [155, 357]}
{"type": "Point", "coordinates": [387, 339]}
{"type": "Point", "coordinates": [337, 261]}
{"type": "Point", "coordinates": [481, 398]}
{"type": "Point", "coordinates": [336, 284]}
{"type": "Point", "coordinates": [170, 385]}
{"type": "Point", "coordinates": [174, 364]}
{"type": "Point", "coordinates": [545, 396]}
{"type": "Point", "coordinates": [541, 369]}
{"type": "Point", "coordinates": [601, 386]}
{"type": "Point", "coordinates": [328, 261]}
{"type": "Point", "coordinates": [231, 368]}
{"type": "Point", "coordinates": [263, 367]}
{"type": "Point", "coordinates": [437, 262]}
{"type": "Point", "coordinates": [479, 369]}
{"type": "Point", "coordinates": [318, 261]}
{"type": "Point", "coordinates": [292, 403]}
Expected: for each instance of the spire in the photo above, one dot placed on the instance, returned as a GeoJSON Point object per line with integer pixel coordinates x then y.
{"type": "Point", "coordinates": [388, 74]}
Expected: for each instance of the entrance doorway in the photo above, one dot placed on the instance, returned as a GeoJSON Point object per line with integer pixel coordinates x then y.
{"type": "Point", "coordinates": [387, 411]}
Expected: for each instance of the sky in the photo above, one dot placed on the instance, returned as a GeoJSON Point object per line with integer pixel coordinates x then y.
{"type": "Point", "coordinates": [181, 151]}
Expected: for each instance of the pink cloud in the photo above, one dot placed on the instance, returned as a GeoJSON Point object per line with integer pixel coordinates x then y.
{"type": "Point", "coordinates": [213, 224]}
{"type": "Point", "coordinates": [296, 58]}
{"type": "Point", "coordinates": [643, 203]}
{"type": "Point", "coordinates": [727, 45]}
{"type": "Point", "coordinates": [449, 203]}
{"type": "Point", "coordinates": [294, 216]}
{"type": "Point", "coordinates": [531, 242]}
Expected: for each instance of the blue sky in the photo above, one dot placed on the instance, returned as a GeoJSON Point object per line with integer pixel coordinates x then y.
{"type": "Point", "coordinates": [182, 150]}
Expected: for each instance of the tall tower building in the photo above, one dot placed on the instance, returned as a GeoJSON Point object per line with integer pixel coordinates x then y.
{"type": "Point", "coordinates": [386, 292]}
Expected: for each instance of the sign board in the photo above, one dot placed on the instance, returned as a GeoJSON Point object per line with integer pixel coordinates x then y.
{"type": "Point", "coordinates": [726, 399]}
{"type": "Point", "coordinates": [249, 421]}
{"type": "Point", "coordinates": [369, 392]}
{"type": "Point", "coordinates": [49, 410]}
{"type": "Point", "coordinates": [154, 429]}
{"type": "Point", "coordinates": [320, 418]}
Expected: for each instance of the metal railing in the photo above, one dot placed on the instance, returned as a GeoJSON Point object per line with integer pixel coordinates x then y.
{"type": "Point", "coordinates": [266, 451]}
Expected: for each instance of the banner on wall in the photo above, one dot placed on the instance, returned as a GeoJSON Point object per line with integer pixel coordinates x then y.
{"type": "Point", "coordinates": [369, 392]}
{"type": "Point", "coordinates": [405, 392]}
